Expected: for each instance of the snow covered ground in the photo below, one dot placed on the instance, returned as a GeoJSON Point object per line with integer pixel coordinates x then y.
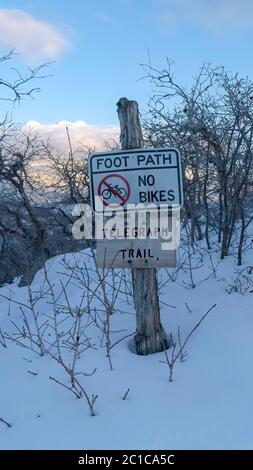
{"type": "Point", "coordinates": [207, 406]}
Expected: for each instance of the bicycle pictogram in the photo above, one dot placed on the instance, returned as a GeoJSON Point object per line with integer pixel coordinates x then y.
{"type": "Point", "coordinates": [114, 190]}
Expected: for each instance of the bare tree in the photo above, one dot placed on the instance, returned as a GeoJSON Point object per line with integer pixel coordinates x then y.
{"type": "Point", "coordinates": [30, 231]}
{"type": "Point", "coordinates": [70, 171]}
{"type": "Point", "coordinates": [212, 124]}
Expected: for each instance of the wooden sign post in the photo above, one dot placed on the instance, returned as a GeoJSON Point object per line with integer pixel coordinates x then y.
{"type": "Point", "coordinates": [150, 336]}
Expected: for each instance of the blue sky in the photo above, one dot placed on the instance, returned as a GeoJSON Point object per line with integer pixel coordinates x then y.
{"type": "Point", "coordinates": [99, 45]}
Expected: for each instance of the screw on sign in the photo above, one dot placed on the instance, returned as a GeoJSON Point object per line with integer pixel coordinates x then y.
{"type": "Point", "coordinates": [114, 190]}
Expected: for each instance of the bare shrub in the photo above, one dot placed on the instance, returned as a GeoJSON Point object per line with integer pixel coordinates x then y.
{"type": "Point", "coordinates": [178, 351]}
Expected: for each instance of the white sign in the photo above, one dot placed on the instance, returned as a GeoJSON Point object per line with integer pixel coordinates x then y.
{"type": "Point", "coordinates": [146, 176]}
{"type": "Point", "coordinates": [133, 254]}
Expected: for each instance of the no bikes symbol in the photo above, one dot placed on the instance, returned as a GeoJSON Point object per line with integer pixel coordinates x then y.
{"type": "Point", "coordinates": [114, 190]}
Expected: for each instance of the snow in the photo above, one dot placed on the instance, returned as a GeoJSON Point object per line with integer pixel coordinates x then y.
{"type": "Point", "coordinates": [207, 406]}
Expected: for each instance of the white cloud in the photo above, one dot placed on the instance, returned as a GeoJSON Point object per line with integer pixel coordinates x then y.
{"type": "Point", "coordinates": [215, 15]}
{"type": "Point", "coordinates": [80, 131]}
{"type": "Point", "coordinates": [35, 39]}
{"type": "Point", "coordinates": [100, 15]}
{"type": "Point", "coordinates": [167, 19]}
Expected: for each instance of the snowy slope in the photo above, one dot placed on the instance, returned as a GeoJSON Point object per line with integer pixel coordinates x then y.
{"type": "Point", "coordinates": [207, 406]}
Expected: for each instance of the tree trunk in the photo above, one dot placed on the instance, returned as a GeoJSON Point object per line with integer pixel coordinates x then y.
{"type": "Point", "coordinates": [150, 336]}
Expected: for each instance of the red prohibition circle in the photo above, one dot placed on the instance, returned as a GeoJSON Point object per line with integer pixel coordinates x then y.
{"type": "Point", "coordinates": [115, 192]}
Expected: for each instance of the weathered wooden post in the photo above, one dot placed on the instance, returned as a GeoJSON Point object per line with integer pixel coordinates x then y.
{"type": "Point", "coordinates": [150, 336]}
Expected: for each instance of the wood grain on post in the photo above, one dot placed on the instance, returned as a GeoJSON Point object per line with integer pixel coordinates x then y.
{"type": "Point", "coordinates": [150, 336]}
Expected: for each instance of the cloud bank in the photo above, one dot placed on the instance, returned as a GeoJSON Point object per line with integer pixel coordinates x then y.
{"type": "Point", "coordinates": [80, 132]}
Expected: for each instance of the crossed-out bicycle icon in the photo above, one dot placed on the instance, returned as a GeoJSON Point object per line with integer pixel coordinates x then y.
{"type": "Point", "coordinates": [114, 191]}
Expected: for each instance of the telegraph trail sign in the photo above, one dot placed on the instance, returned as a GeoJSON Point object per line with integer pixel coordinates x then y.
{"type": "Point", "coordinates": [146, 176]}
{"type": "Point", "coordinates": [138, 180]}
